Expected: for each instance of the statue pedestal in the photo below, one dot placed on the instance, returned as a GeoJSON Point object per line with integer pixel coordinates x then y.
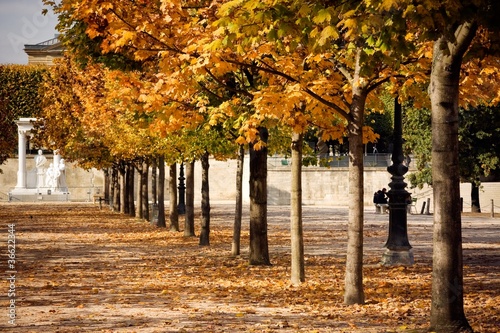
{"type": "Point", "coordinates": [23, 191]}
{"type": "Point", "coordinates": [398, 258]}
{"type": "Point", "coordinates": [33, 195]}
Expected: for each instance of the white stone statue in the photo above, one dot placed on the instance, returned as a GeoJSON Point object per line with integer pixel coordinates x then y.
{"type": "Point", "coordinates": [51, 176]}
{"type": "Point", "coordinates": [57, 157]}
{"type": "Point", "coordinates": [40, 161]}
{"type": "Point", "coordinates": [61, 183]}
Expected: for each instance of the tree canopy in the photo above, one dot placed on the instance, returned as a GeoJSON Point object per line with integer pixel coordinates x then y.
{"type": "Point", "coordinates": [300, 64]}
{"type": "Point", "coordinates": [478, 145]}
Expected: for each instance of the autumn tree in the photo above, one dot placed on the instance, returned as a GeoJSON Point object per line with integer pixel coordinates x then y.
{"type": "Point", "coordinates": [91, 114]}
{"type": "Point", "coordinates": [349, 52]}
{"type": "Point", "coordinates": [129, 100]}
{"type": "Point", "coordinates": [119, 28]}
{"type": "Point", "coordinates": [66, 123]}
{"type": "Point", "coordinates": [464, 33]}
{"type": "Point", "coordinates": [205, 141]}
{"type": "Point", "coordinates": [330, 56]}
{"type": "Point", "coordinates": [61, 124]}
{"type": "Point", "coordinates": [447, 310]}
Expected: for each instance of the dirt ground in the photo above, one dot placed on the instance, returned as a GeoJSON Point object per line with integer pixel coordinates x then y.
{"type": "Point", "coordinates": [81, 269]}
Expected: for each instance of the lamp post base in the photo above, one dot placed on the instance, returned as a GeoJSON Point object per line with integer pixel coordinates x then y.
{"type": "Point", "coordinates": [397, 258]}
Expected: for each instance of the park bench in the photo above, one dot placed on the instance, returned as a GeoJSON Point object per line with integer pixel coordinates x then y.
{"type": "Point", "coordinates": [412, 206]}
{"type": "Point", "coordinates": [381, 208]}
{"type": "Point", "coordinates": [100, 198]}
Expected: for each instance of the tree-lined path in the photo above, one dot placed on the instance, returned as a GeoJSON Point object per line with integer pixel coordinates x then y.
{"type": "Point", "coordinates": [81, 269]}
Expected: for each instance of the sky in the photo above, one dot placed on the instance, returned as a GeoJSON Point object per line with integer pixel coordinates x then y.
{"type": "Point", "coordinates": [22, 22]}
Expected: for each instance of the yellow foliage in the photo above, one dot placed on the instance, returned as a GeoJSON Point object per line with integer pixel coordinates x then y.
{"type": "Point", "coordinates": [297, 84]}
{"type": "Point", "coordinates": [388, 4]}
{"type": "Point", "coordinates": [369, 135]}
{"type": "Point", "coordinates": [259, 145]}
{"type": "Point", "coordinates": [241, 140]}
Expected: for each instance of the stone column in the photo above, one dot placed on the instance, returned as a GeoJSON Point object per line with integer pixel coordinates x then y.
{"type": "Point", "coordinates": [21, 150]}
{"type": "Point", "coordinates": [24, 127]}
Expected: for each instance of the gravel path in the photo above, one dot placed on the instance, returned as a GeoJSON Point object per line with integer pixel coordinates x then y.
{"type": "Point", "coordinates": [81, 269]}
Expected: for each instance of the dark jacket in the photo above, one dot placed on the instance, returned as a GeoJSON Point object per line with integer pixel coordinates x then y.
{"type": "Point", "coordinates": [380, 197]}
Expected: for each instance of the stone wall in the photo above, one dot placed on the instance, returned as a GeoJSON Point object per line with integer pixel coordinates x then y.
{"type": "Point", "coordinates": [487, 193]}
{"type": "Point", "coordinates": [321, 185]}
{"type": "Point", "coordinates": [82, 184]}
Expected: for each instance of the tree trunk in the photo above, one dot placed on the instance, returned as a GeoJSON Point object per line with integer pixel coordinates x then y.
{"type": "Point", "coordinates": [126, 189]}
{"type": "Point", "coordinates": [154, 181]}
{"type": "Point", "coordinates": [123, 187]}
{"type": "Point", "coordinates": [130, 189]}
{"type": "Point", "coordinates": [145, 190]}
{"type": "Point", "coordinates": [236, 247]}
{"type": "Point", "coordinates": [172, 186]}
{"type": "Point", "coordinates": [205, 201]}
{"type": "Point", "coordinates": [138, 211]}
{"type": "Point", "coordinates": [107, 184]}
{"type": "Point", "coordinates": [161, 192]}
{"type": "Point", "coordinates": [296, 231]}
{"type": "Point", "coordinates": [354, 293]}
{"type": "Point", "coordinates": [447, 304]}
{"type": "Point", "coordinates": [116, 189]}
{"type": "Point", "coordinates": [259, 250]}
{"type": "Point", "coordinates": [189, 217]}
{"type": "Point", "coordinates": [474, 196]}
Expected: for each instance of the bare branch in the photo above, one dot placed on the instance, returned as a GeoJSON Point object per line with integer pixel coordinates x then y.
{"type": "Point", "coordinates": [237, 91]}
{"type": "Point", "coordinates": [210, 91]}
{"type": "Point", "coordinates": [269, 69]}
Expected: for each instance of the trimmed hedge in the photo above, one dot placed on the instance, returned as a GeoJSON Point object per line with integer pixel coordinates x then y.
{"type": "Point", "coordinates": [19, 97]}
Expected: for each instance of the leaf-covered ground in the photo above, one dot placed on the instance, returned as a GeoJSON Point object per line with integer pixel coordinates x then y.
{"type": "Point", "coordinates": [81, 269]}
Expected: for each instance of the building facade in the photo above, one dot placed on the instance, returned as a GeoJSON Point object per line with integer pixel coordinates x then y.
{"type": "Point", "coordinates": [45, 52]}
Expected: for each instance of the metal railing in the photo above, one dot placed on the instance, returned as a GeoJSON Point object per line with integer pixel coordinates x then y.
{"type": "Point", "coordinates": [342, 161]}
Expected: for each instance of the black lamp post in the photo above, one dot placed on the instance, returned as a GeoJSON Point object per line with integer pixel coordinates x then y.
{"type": "Point", "coordinates": [398, 247]}
{"type": "Point", "coordinates": [181, 206]}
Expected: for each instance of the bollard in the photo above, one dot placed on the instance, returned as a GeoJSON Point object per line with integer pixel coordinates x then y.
{"type": "Point", "coordinates": [492, 208]}
{"type": "Point", "coordinates": [423, 208]}
{"type": "Point", "coordinates": [428, 206]}
{"type": "Point", "coordinates": [154, 214]}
